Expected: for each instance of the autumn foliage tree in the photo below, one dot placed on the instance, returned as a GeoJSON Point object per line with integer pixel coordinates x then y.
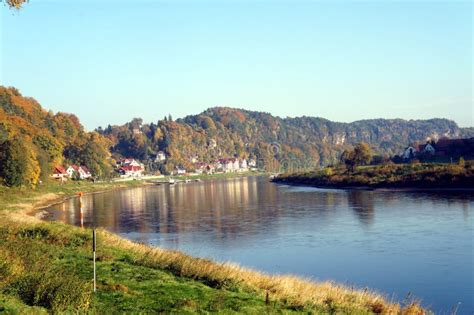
{"type": "Point", "coordinates": [360, 155]}
{"type": "Point", "coordinates": [15, 3]}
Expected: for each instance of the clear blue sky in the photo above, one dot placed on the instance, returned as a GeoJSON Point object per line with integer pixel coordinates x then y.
{"type": "Point", "coordinates": [109, 61]}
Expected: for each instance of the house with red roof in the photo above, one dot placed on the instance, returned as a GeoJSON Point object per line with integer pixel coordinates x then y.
{"type": "Point", "coordinates": [130, 171]}
{"type": "Point", "coordinates": [82, 171]}
{"type": "Point", "coordinates": [59, 173]}
{"type": "Point", "coordinates": [130, 168]}
{"type": "Point", "coordinates": [453, 148]}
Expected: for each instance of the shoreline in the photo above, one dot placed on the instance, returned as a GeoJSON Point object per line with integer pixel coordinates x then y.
{"type": "Point", "coordinates": [381, 188]}
{"type": "Point", "coordinates": [419, 177]}
{"type": "Point", "coordinates": [305, 293]}
{"type": "Point", "coordinates": [42, 204]}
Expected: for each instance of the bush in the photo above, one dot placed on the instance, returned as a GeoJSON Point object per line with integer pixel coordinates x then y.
{"type": "Point", "coordinates": [54, 290]}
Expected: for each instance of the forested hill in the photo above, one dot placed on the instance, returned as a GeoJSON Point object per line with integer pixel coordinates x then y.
{"type": "Point", "coordinates": [33, 141]}
{"type": "Point", "coordinates": [273, 141]}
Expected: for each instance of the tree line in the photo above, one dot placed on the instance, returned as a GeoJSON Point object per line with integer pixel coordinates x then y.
{"type": "Point", "coordinates": [34, 141]}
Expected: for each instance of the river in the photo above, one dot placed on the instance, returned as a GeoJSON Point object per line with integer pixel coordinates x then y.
{"type": "Point", "coordinates": [397, 243]}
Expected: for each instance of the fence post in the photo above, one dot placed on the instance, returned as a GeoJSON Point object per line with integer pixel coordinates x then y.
{"type": "Point", "coordinates": [94, 245]}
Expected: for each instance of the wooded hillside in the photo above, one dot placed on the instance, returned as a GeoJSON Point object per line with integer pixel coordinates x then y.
{"type": "Point", "coordinates": [33, 141]}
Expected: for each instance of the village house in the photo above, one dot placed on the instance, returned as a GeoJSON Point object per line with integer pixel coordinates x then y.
{"type": "Point", "coordinates": [426, 149]}
{"type": "Point", "coordinates": [243, 165]}
{"type": "Point", "coordinates": [130, 171]}
{"type": "Point", "coordinates": [130, 168]}
{"type": "Point", "coordinates": [210, 169]}
{"type": "Point", "coordinates": [199, 167]}
{"type": "Point", "coordinates": [160, 157]}
{"type": "Point", "coordinates": [409, 153]}
{"type": "Point", "coordinates": [180, 171]}
{"type": "Point", "coordinates": [453, 148]}
{"type": "Point", "coordinates": [229, 165]}
{"type": "Point", "coordinates": [252, 163]}
{"type": "Point", "coordinates": [82, 171]}
{"type": "Point", "coordinates": [129, 161]}
{"type": "Point", "coordinates": [204, 168]}
{"type": "Point", "coordinates": [235, 164]}
{"type": "Point", "coordinates": [226, 165]}
{"type": "Point", "coordinates": [218, 166]}
{"type": "Point", "coordinates": [60, 173]}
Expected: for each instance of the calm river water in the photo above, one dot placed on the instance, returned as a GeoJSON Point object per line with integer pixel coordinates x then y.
{"type": "Point", "coordinates": [394, 242]}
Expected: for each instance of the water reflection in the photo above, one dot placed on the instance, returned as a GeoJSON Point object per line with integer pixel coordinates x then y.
{"type": "Point", "coordinates": [362, 202]}
{"type": "Point", "coordinates": [392, 241]}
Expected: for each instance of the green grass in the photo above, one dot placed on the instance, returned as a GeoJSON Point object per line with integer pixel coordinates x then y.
{"type": "Point", "coordinates": [12, 305]}
{"type": "Point", "coordinates": [47, 267]}
{"type": "Point", "coordinates": [50, 266]}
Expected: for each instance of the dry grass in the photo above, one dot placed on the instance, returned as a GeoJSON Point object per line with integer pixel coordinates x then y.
{"type": "Point", "coordinates": [295, 291]}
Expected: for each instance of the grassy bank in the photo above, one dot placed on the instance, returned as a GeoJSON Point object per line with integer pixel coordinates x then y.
{"type": "Point", "coordinates": [418, 176]}
{"type": "Point", "coordinates": [47, 267]}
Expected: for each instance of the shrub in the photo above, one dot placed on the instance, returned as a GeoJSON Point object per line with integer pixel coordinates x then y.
{"type": "Point", "coordinates": [53, 290]}
{"type": "Point", "coordinates": [328, 171]}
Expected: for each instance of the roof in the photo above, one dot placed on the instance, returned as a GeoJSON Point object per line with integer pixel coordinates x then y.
{"type": "Point", "coordinates": [227, 160]}
{"type": "Point", "coordinates": [444, 144]}
{"type": "Point", "coordinates": [74, 167]}
{"type": "Point", "coordinates": [129, 168]}
{"type": "Point", "coordinates": [422, 147]}
{"type": "Point", "coordinates": [60, 170]}
{"type": "Point", "coordinates": [85, 169]}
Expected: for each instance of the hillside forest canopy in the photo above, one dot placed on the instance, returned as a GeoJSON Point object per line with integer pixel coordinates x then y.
{"type": "Point", "coordinates": [33, 140]}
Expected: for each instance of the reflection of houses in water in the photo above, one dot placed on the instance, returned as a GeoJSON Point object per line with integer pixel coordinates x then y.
{"type": "Point", "coordinates": [362, 202]}
{"type": "Point", "coordinates": [133, 207]}
{"type": "Point", "coordinates": [202, 206]}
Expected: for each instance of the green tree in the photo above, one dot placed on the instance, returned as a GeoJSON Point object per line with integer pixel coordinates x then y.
{"type": "Point", "coordinates": [362, 154]}
{"type": "Point", "coordinates": [96, 156]}
{"type": "Point", "coordinates": [18, 164]}
{"type": "Point", "coordinates": [347, 157]}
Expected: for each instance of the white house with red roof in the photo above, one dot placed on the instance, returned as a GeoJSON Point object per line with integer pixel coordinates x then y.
{"type": "Point", "coordinates": [131, 171]}
{"type": "Point", "coordinates": [83, 171]}
{"type": "Point", "coordinates": [129, 161]}
{"type": "Point", "coordinates": [59, 173]}
{"type": "Point", "coordinates": [130, 168]}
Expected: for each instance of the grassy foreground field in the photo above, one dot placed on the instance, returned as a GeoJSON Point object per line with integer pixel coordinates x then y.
{"type": "Point", "coordinates": [47, 267]}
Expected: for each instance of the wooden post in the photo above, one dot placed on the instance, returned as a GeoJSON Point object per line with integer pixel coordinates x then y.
{"type": "Point", "coordinates": [94, 245]}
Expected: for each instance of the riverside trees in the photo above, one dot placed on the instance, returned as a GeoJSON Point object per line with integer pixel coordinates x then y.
{"type": "Point", "coordinates": [360, 155]}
